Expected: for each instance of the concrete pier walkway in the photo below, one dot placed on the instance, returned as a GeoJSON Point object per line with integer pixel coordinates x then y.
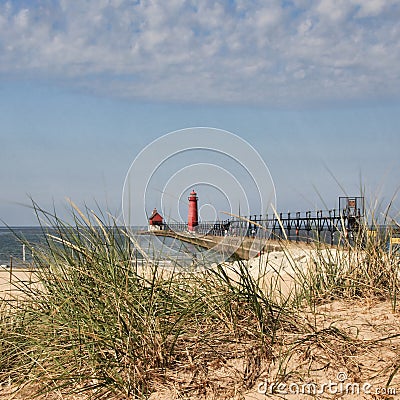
{"type": "Point", "coordinates": [238, 247]}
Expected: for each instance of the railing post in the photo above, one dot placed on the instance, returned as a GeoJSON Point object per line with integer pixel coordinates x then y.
{"type": "Point", "coordinates": [273, 227]}
{"type": "Point", "coordinates": [11, 268]}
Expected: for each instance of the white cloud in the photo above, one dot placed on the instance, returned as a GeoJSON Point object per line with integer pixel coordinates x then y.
{"type": "Point", "coordinates": [266, 53]}
{"type": "Point", "coordinates": [334, 10]}
{"type": "Point", "coordinates": [372, 8]}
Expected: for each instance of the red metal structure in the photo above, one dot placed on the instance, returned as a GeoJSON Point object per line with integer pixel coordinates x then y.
{"type": "Point", "coordinates": [193, 219]}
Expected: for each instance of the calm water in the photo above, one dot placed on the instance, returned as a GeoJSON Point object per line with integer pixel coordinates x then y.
{"type": "Point", "coordinates": [155, 248]}
{"type": "Point", "coordinates": [10, 245]}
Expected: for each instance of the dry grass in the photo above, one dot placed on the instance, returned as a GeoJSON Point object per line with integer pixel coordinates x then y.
{"type": "Point", "coordinates": [100, 325]}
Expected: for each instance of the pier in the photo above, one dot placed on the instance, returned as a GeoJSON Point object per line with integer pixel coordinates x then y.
{"type": "Point", "coordinates": [230, 246]}
{"type": "Point", "coordinates": [246, 236]}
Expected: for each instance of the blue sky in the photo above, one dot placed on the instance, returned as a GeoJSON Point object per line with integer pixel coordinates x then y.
{"type": "Point", "coordinates": [84, 86]}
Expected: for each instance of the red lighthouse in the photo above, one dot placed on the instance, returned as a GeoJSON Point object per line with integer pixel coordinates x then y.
{"type": "Point", "coordinates": [193, 219]}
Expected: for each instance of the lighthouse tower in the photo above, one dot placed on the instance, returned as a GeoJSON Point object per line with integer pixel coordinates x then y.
{"type": "Point", "coordinates": [193, 219]}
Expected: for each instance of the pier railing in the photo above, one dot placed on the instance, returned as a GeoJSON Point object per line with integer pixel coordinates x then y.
{"type": "Point", "coordinates": [321, 224]}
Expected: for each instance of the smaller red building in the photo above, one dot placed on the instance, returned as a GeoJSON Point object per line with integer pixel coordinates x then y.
{"type": "Point", "coordinates": [156, 221]}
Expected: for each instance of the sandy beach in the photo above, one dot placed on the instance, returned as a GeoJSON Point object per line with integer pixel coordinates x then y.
{"type": "Point", "coordinates": [365, 363]}
{"type": "Point", "coordinates": [13, 281]}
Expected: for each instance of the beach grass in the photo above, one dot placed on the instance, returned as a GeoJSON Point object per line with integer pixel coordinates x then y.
{"type": "Point", "coordinates": [102, 323]}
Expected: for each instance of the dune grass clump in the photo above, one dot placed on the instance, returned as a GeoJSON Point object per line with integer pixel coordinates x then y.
{"type": "Point", "coordinates": [364, 267]}
{"type": "Point", "coordinates": [103, 322]}
{"type": "Point", "coordinates": [10, 347]}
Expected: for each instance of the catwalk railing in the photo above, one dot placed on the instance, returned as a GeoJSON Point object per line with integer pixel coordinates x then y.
{"type": "Point", "coordinates": [327, 226]}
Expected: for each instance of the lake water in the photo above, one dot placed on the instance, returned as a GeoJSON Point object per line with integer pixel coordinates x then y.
{"type": "Point", "coordinates": [154, 247]}
{"type": "Point", "coordinates": [10, 243]}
